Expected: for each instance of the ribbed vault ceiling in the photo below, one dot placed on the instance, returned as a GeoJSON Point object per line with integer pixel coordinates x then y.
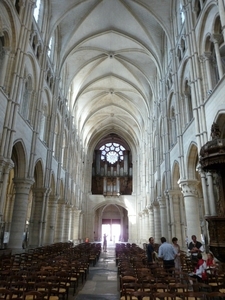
{"type": "Point", "coordinates": [110, 54]}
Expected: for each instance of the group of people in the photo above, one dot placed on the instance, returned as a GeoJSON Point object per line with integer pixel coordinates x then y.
{"type": "Point", "coordinates": [170, 254]}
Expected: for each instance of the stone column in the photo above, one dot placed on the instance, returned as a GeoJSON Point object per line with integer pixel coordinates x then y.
{"type": "Point", "coordinates": [65, 236]}
{"type": "Point", "coordinates": [212, 204]}
{"type": "Point", "coordinates": [50, 220]}
{"type": "Point", "coordinates": [76, 223]}
{"type": "Point", "coordinates": [60, 221]}
{"type": "Point", "coordinates": [204, 190]}
{"type": "Point", "coordinates": [8, 211]}
{"type": "Point", "coordinates": [171, 209]}
{"type": "Point", "coordinates": [216, 39]}
{"type": "Point", "coordinates": [5, 167]}
{"type": "Point", "coordinates": [167, 199]}
{"type": "Point", "coordinates": [182, 243]}
{"type": "Point", "coordinates": [71, 236]}
{"type": "Point", "coordinates": [140, 220]}
{"type": "Point", "coordinates": [207, 57]}
{"type": "Point", "coordinates": [36, 217]}
{"type": "Point", "coordinates": [191, 203]}
{"type": "Point", "coordinates": [81, 227]}
{"type": "Point", "coordinates": [5, 55]}
{"type": "Point", "coordinates": [163, 217]}
{"type": "Point", "coordinates": [157, 222]}
{"type": "Point", "coordinates": [22, 188]}
{"type": "Point", "coordinates": [147, 225]}
{"type": "Point", "coordinates": [121, 227]}
{"type": "Point", "coordinates": [177, 216]}
{"type": "Point", "coordinates": [132, 228]}
{"type": "Point", "coordinates": [151, 222]}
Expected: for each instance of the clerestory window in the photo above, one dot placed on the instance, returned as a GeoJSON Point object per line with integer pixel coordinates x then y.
{"type": "Point", "coordinates": [182, 16]}
{"type": "Point", "coordinates": [37, 10]}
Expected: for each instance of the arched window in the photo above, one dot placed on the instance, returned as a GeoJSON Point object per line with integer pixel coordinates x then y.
{"type": "Point", "coordinates": [173, 128]}
{"type": "Point", "coordinates": [27, 94]}
{"type": "Point", "coordinates": [50, 47]}
{"type": "Point", "coordinates": [188, 110]}
{"type": "Point", "coordinates": [182, 16]}
{"type": "Point", "coordinates": [37, 10]}
{"type": "Point", "coordinates": [2, 57]}
{"type": "Point", "coordinates": [17, 5]}
{"type": "Point", "coordinates": [44, 123]}
{"type": "Point", "coordinates": [56, 138]}
{"type": "Point", "coordinates": [161, 148]}
{"type": "Point", "coordinates": [197, 8]}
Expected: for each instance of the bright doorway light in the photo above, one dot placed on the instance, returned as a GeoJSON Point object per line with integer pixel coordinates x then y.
{"type": "Point", "coordinates": [115, 232]}
{"type": "Point", "coordinates": [106, 230]}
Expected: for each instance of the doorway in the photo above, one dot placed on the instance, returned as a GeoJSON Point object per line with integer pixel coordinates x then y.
{"type": "Point", "coordinates": [113, 232]}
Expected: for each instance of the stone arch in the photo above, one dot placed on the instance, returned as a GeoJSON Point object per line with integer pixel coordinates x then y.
{"type": "Point", "coordinates": [61, 190]}
{"type": "Point", "coordinates": [8, 25]}
{"type": "Point", "coordinates": [53, 184]}
{"type": "Point", "coordinates": [175, 174]}
{"type": "Point", "coordinates": [192, 161]}
{"type": "Point", "coordinates": [19, 158]}
{"type": "Point", "coordinates": [220, 121]}
{"type": "Point", "coordinates": [39, 174]}
{"type": "Point", "coordinates": [111, 214]}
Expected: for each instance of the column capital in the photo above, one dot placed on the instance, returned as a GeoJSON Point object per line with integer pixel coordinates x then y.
{"type": "Point", "coordinates": [216, 38]}
{"type": "Point", "coordinates": [171, 193]}
{"type": "Point", "coordinates": [162, 202]}
{"type": "Point", "coordinates": [53, 198]}
{"type": "Point", "coordinates": [207, 55]}
{"type": "Point", "coordinates": [23, 185]}
{"type": "Point", "coordinates": [40, 191]}
{"type": "Point", "coordinates": [149, 207]}
{"type": "Point", "coordinates": [145, 211]}
{"type": "Point", "coordinates": [189, 187]}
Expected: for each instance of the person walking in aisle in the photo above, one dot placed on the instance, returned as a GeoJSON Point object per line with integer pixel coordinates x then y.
{"type": "Point", "coordinates": [105, 242]}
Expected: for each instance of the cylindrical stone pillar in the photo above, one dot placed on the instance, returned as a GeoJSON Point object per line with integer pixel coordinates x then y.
{"type": "Point", "coordinates": [22, 188]}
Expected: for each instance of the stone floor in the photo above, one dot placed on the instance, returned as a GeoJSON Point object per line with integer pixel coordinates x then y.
{"type": "Point", "coordinates": [102, 280]}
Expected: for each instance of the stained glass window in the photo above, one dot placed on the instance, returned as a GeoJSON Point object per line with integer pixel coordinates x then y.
{"type": "Point", "coordinates": [112, 152]}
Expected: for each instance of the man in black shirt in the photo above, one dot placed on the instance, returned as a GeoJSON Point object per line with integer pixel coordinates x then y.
{"type": "Point", "coordinates": [150, 250]}
{"type": "Point", "coordinates": [194, 248]}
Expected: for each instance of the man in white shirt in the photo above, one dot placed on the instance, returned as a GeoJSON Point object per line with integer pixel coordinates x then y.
{"type": "Point", "coordinates": [167, 253]}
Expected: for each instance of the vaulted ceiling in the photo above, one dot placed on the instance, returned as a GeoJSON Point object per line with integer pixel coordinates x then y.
{"type": "Point", "coordinates": [111, 52]}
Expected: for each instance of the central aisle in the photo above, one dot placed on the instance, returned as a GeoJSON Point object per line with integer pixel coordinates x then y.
{"type": "Point", "coordinates": [102, 280]}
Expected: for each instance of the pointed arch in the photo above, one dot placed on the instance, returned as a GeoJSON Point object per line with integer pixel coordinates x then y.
{"type": "Point", "coordinates": [192, 161]}
{"type": "Point", "coordinates": [39, 174]}
{"type": "Point", "coordinates": [19, 158]}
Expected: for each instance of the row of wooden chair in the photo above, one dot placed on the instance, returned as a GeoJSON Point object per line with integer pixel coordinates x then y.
{"type": "Point", "coordinates": [57, 268]}
{"type": "Point", "coordinates": [132, 268]}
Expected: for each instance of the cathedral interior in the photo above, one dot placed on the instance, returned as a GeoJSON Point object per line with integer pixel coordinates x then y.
{"type": "Point", "coordinates": [106, 109]}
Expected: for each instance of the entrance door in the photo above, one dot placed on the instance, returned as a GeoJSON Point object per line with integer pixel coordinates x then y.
{"type": "Point", "coordinates": [112, 231]}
